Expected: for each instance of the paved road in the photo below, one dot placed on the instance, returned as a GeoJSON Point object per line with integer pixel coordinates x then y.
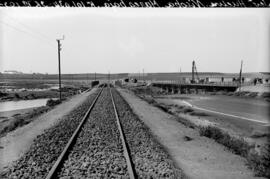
{"type": "Point", "coordinates": [252, 109]}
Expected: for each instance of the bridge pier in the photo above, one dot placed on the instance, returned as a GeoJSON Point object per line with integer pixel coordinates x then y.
{"type": "Point", "coordinates": [182, 91]}
{"type": "Point", "coordinates": [185, 91]}
{"type": "Point", "coordinates": [161, 90]}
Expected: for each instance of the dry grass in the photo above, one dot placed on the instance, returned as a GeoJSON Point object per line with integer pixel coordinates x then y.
{"type": "Point", "coordinates": [259, 163]}
{"type": "Point", "coordinates": [19, 120]}
{"type": "Point", "coordinates": [237, 146]}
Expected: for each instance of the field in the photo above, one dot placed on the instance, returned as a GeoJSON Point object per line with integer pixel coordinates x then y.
{"type": "Point", "coordinates": [26, 89]}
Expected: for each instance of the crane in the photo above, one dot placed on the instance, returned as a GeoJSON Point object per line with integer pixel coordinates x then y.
{"type": "Point", "coordinates": [194, 72]}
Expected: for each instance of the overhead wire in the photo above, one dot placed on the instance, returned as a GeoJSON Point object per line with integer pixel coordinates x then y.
{"type": "Point", "coordinates": [32, 34]}
{"type": "Point", "coordinates": [29, 28]}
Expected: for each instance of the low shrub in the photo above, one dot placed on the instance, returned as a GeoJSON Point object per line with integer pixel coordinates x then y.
{"type": "Point", "coordinates": [236, 145]}
{"type": "Point", "coordinates": [188, 110]}
{"type": "Point", "coordinates": [181, 107]}
{"type": "Point", "coordinates": [230, 93]}
{"type": "Point", "coordinates": [253, 94]}
{"type": "Point", "coordinates": [2, 94]}
{"type": "Point", "coordinates": [52, 102]}
{"type": "Point", "coordinates": [260, 163]}
{"type": "Point", "coordinates": [266, 95]}
{"type": "Point", "coordinates": [198, 114]}
{"type": "Point", "coordinates": [163, 108]}
{"type": "Point", "coordinates": [187, 138]}
{"type": "Point", "coordinates": [13, 124]}
{"type": "Point", "coordinates": [16, 95]}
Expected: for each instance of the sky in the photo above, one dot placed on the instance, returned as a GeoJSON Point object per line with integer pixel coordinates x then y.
{"type": "Point", "coordinates": [130, 40]}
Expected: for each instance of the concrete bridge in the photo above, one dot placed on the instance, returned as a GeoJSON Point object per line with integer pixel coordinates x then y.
{"type": "Point", "coordinates": [171, 87]}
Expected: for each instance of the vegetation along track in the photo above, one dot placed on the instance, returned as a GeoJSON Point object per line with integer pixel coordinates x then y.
{"type": "Point", "coordinates": [99, 149]}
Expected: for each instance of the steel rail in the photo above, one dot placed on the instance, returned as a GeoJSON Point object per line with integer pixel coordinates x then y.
{"type": "Point", "coordinates": [130, 165]}
{"type": "Point", "coordinates": [52, 173]}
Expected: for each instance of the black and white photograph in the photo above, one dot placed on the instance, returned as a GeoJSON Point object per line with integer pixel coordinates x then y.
{"type": "Point", "coordinates": [151, 93]}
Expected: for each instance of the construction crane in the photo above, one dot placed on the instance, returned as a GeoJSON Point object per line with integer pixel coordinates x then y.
{"type": "Point", "coordinates": [194, 72]}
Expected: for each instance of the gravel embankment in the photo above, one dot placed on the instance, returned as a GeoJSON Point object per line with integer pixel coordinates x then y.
{"type": "Point", "coordinates": [97, 152]}
{"type": "Point", "coordinates": [45, 149]}
{"type": "Point", "coordinates": [149, 157]}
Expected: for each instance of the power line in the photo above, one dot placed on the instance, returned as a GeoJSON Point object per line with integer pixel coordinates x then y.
{"type": "Point", "coordinates": [27, 27]}
{"type": "Point", "coordinates": [23, 31]}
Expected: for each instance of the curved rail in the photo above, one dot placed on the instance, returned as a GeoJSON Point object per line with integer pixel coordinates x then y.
{"type": "Point", "coordinates": [130, 165]}
{"type": "Point", "coordinates": [61, 158]}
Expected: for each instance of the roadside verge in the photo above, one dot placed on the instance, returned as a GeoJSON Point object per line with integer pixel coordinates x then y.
{"type": "Point", "coordinates": [198, 156]}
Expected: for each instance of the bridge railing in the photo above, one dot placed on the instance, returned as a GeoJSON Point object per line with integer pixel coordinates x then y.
{"type": "Point", "coordinates": [203, 84]}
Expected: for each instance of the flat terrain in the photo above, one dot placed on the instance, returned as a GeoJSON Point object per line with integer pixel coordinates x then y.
{"type": "Point", "coordinates": [246, 108]}
{"type": "Point", "coordinates": [241, 116]}
{"type": "Point", "coordinates": [199, 157]}
{"type": "Point", "coordinates": [16, 143]}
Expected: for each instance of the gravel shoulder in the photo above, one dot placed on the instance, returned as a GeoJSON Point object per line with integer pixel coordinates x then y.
{"type": "Point", "coordinates": [17, 142]}
{"type": "Point", "coordinates": [150, 158]}
{"type": "Point", "coordinates": [199, 157]}
{"type": "Point", "coordinates": [97, 152]}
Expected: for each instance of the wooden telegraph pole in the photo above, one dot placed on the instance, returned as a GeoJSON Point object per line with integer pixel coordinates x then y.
{"type": "Point", "coordinates": [143, 75]}
{"type": "Point", "coordinates": [59, 66]}
{"type": "Point", "coordinates": [240, 76]}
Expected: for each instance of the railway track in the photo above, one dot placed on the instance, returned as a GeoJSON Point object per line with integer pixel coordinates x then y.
{"type": "Point", "coordinates": [103, 138]}
{"type": "Point", "coordinates": [120, 165]}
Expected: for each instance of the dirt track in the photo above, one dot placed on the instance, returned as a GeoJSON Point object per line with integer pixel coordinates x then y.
{"type": "Point", "coordinates": [200, 157]}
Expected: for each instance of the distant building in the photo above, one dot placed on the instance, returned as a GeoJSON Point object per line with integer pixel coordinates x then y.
{"type": "Point", "coordinates": [12, 72]}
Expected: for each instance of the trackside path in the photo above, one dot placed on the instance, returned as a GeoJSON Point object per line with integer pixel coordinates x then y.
{"type": "Point", "coordinates": [200, 157]}
{"type": "Point", "coordinates": [17, 142]}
